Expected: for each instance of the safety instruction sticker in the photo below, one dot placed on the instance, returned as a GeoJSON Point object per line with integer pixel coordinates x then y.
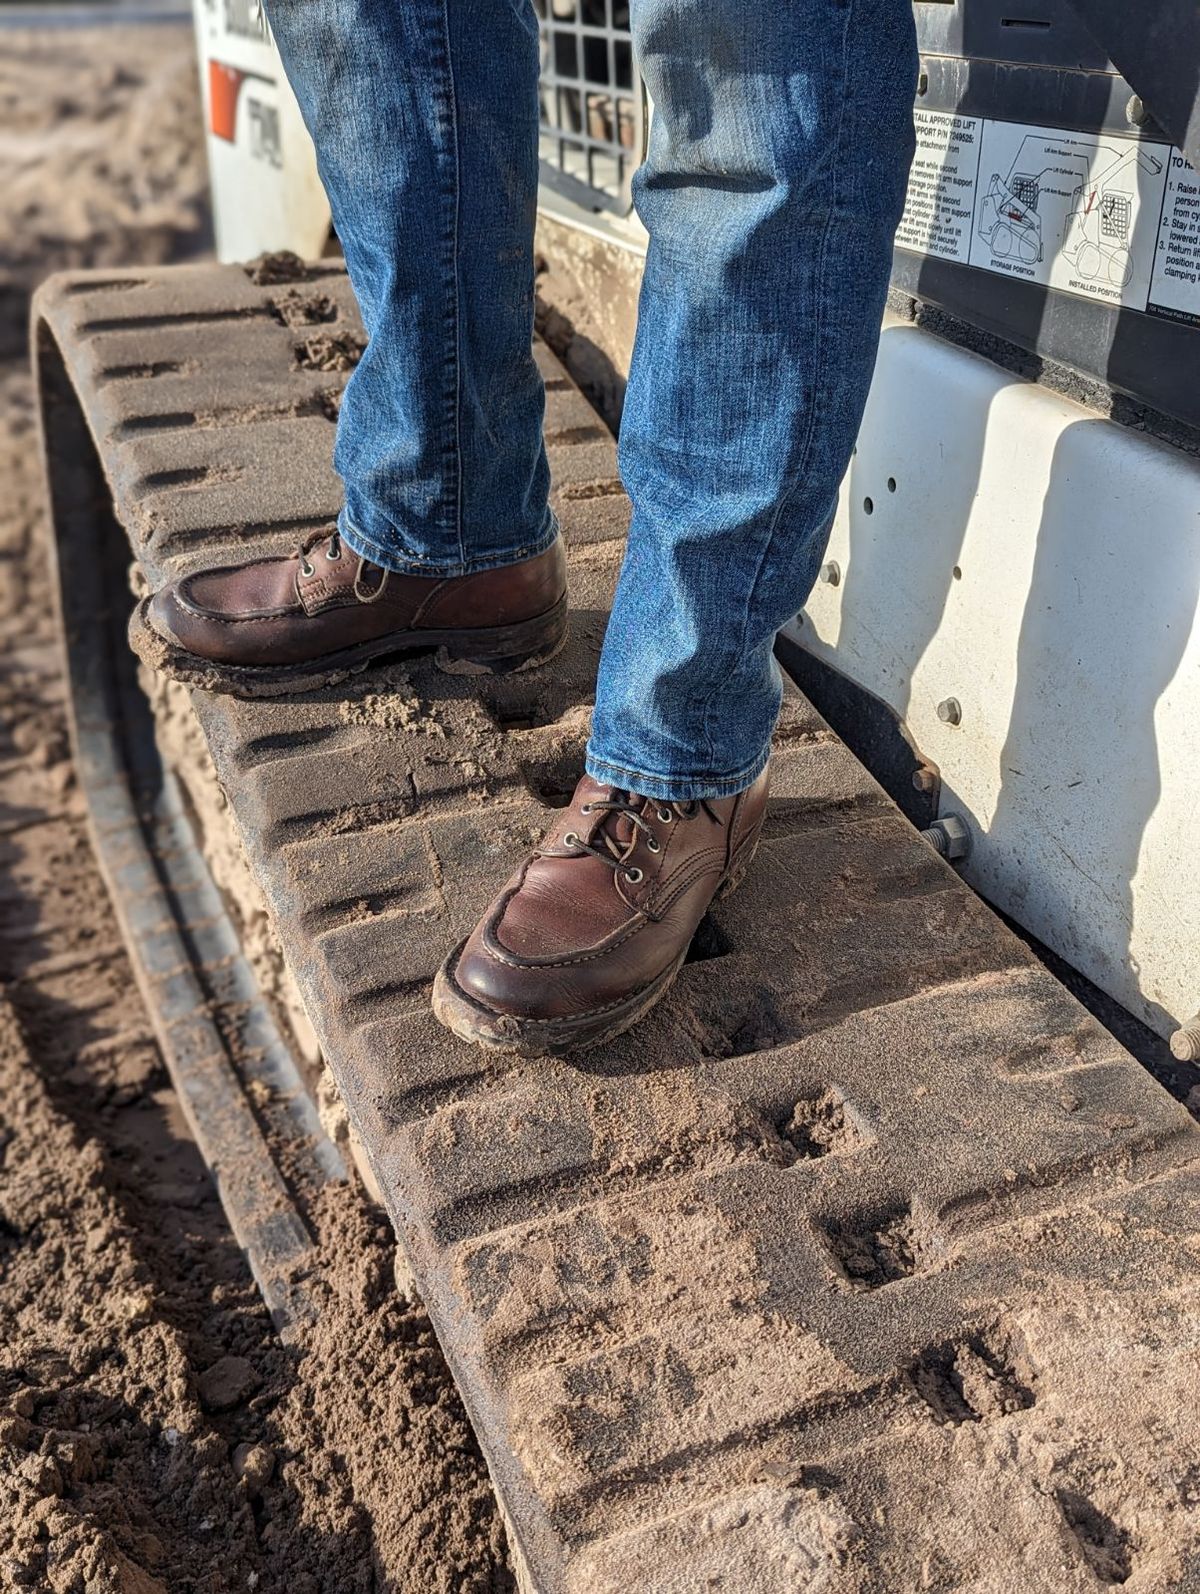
{"type": "Point", "coordinates": [1175, 282]}
{"type": "Point", "coordinates": [1094, 214]}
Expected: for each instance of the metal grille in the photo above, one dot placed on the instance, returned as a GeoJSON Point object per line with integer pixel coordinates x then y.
{"type": "Point", "coordinates": [1026, 191]}
{"type": "Point", "coordinates": [591, 101]}
{"type": "Point", "coordinates": [1115, 214]}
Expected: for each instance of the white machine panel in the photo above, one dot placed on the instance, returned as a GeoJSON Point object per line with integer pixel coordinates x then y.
{"type": "Point", "coordinates": [1003, 547]}
{"type": "Point", "coordinates": [266, 191]}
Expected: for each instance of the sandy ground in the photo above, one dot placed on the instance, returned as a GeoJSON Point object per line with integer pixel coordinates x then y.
{"type": "Point", "coordinates": [154, 1434]}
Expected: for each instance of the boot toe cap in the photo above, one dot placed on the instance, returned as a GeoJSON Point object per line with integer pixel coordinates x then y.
{"type": "Point", "coordinates": [497, 987]}
{"type": "Point", "coordinates": [185, 626]}
{"type": "Point", "coordinates": [238, 615]}
{"type": "Point", "coordinates": [174, 620]}
{"type": "Point", "coordinates": [545, 992]}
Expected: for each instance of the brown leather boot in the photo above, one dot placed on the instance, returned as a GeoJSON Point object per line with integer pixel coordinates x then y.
{"type": "Point", "coordinates": [284, 625]}
{"type": "Point", "coordinates": [593, 928]}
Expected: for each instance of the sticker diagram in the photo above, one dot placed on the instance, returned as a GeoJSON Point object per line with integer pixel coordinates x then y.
{"type": "Point", "coordinates": [1100, 229]}
{"type": "Point", "coordinates": [1102, 215]}
{"type": "Point", "coordinates": [1008, 217]}
{"type": "Point", "coordinates": [1087, 196]}
{"type": "Point", "coordinates": [1064, 209]}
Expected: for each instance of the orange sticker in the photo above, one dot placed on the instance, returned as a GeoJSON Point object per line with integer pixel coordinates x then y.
{"type": "Point", "coordinates": [224, 86]}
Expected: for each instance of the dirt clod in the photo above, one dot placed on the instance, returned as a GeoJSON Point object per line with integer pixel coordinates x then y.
{"type": "Point", "coordinates": [280, 265]}
{"type": "Point", "coordinates": [227, 1383]}
{"type": "Point", "coordinates": [330, 351]}
{"type": "Point", "coordinates": [296, 309]}
{"type": "Point", "coordinates": [253, 1466]}
{"type": "Point", "coordinates": [873, 1257]}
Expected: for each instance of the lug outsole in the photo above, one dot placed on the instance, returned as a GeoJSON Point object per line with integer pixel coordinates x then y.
{"type": "Point", "coordinates": [499, 650]}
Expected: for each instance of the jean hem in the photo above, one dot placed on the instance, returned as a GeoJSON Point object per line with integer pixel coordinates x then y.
{"type": "Point", "coordinates": [402, 565]}
{"type": "Point", "coordinates": [675, 788]}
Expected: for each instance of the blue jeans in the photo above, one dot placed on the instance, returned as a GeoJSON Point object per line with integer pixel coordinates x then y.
{"type": "Point", "coordinates": [778, 158]}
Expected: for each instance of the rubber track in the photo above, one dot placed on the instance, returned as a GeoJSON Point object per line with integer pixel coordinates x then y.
{"type": "Point", "coordinates": [214, 1028]}
{"type": "Point", "coordinates": [696, 1287]}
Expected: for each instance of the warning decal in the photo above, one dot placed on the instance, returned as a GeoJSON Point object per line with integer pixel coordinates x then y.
{"type": "Point", "coordinates": [941, 186]}
{"type": "Point", "coordinates": [1093, 214]}
{"type": "Point", "coordinates": [1175, 281]}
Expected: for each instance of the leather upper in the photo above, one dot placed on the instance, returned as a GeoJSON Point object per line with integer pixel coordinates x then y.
{"type": "Point", "coordinates": [292, 610]}
{"type": "Point", "coordinates": [572, 932]}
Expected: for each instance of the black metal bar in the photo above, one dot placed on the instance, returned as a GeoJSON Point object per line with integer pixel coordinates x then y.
{"type": "Point", "coordinates": [1156, 47]}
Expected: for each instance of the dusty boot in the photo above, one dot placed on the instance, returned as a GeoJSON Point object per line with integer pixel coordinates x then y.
{"type": "Point", "coordinates": [593, 928]}
{"type": "Point", "coordinates": [283, 625]}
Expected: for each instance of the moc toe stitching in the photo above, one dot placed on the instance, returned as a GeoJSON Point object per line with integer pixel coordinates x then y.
{"type": "Point", "coordinates": [181, 592]}
{"type": "Point", "coordinates": [241, 619]}
{"type": "Point", "coordinates": [527, 1024]}
{"type": "Point", "coordinates": [499, 953]}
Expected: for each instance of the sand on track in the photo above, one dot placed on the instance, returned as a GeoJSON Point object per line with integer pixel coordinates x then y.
{"type": "Point", "coordinates": [154, 1434]}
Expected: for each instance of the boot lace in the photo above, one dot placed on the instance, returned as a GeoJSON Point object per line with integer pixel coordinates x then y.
{"type": "Point", "coordinates": [333, 552]}
{"type": "Point", "coordinates": [626, 804]}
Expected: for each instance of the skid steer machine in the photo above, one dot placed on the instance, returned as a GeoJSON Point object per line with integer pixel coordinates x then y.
{"type": "Point", "coordinates": [871, 1259]}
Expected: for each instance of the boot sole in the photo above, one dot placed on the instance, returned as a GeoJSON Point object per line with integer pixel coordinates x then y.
{"type": "Point", "coordinates": [487, 650]}
{"type": "Point", "coordinates": [538, 1037]}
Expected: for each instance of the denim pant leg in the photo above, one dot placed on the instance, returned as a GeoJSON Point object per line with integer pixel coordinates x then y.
{"type": "Point", "coordinates": [779, 152]}
{"type": "Point", "coordinates": [424, 114]}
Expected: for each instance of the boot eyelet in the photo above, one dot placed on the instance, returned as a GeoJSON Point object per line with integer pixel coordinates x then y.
{"type": "Point", "coordinates": [633, 875]}
{"type": "Point", "coordinates": [306, 569]}
{"type": "Point", "coordinates": [331, 556]}
{"type": "Point", "coordinates": [665, 815]}
{"type": "Point", "coordinates": [653, 846]}
{"type": "Point", "coordinates": [585, 808]}
{"type": "Point", "coordinates": [570, 839]}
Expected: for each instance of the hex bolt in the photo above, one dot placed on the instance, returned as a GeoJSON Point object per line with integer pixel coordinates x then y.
{"type": "Point", "coordinates": [949, 711]}
{"type": "Point", "coordinates": [924, 779]}
{"type": "Point", "coordinates": [949, 837]}
{"type": "Point", "coordinates": [1135, 111]}
{"type": "Point", "coordinates": [831, 573]}
{"type": "Point", "coordinates": [1185, 1043]}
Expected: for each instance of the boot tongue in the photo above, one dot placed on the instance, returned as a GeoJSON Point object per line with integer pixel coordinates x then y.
{"type": "Point", "coordinates": [589, 909]}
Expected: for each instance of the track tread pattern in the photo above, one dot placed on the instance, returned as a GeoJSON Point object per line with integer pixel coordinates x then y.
{"type": "Point", "coordinates": [745, 1246]}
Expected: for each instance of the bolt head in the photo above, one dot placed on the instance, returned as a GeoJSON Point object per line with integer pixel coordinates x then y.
{"type": "Point", "coordinates": [1135, 111]}
{"type": "Point", "coordinates": [949, 711]}
{"type": "Point", "coordinates": [949, 836]}
{"type": "Point", "coordinates": [1185, 1045]}
{"type": "Point", "coordinates": [956, 835]}
{"type": "Point", "coordinates": [924, 779]}
{"type": "Point", "coordinates": [831, 573]}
